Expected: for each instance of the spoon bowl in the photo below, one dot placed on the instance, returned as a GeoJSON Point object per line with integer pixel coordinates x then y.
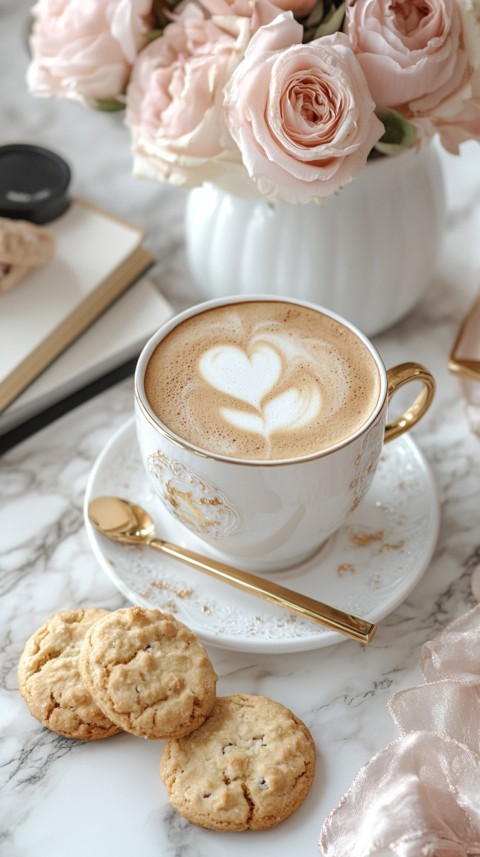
{"type": "Point", "coordinates": [128, 523]}
{"type": "Point", "coordinates": [120, 520]}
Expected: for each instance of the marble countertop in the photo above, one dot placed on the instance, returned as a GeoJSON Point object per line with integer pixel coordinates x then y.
{"type": "Point", "coordinates": [62, 797]}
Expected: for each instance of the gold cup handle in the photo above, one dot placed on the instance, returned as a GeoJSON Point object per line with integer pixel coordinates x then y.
{"type": "Point", "coordinates": [396, 378]}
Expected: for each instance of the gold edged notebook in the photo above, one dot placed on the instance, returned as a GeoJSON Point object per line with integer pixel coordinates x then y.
{"type": "Point", "coordinates": [101, 352]}
{"type": "Point", "coordinates": [97, 256]}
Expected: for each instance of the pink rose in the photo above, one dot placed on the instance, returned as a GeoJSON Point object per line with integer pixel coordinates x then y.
{"type": "Point", "coordinates": [301, 115]}
{"type": "Point", "coordinates": [455, 115]}
{"type": "Point", "coordinates": [408, 49]}
{"type": "Point", "coordinates": [84, 50]}
{"type": "Point", "coordinates": [174, 100]}
{"type": "Point", "coordinates": [418, 56]}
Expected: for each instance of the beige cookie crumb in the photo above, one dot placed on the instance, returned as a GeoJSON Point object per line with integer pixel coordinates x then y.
{"type": "Point", "coordinates": [363, 540]}
{"type": "Point", "coordinates": [250, 765]}
{"type": "Point", "coordinates": [50, 682]}
{"type": "Point", "coordinates": [148, 672]}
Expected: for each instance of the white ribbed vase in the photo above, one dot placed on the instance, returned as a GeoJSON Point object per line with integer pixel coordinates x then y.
{"type": "Point", "coordinates": [367, 254]}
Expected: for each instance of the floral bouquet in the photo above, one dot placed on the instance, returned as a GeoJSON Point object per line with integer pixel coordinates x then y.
{"type": "Point", "coordinates": [286, 98]}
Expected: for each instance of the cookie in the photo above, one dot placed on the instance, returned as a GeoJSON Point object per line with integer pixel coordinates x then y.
{"type": "Point", "coordinates": [23, 243]}
{"type": "Point", "coordinates": [250, 765]}
{"type": "Point", "coordinates": [50, 682]}
{"type": "Point", "coordinates": [148, 673]}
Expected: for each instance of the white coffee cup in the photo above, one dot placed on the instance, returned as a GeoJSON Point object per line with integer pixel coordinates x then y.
{"type": "Point", "coordinates": [269, 515]}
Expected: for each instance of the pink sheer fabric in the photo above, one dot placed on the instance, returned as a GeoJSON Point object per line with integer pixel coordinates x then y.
{"type": "Point", "coordinates": [446, 707]}
{"type": "Point", "coordinates": [420, 796]}
{"type": "Point", "coordinates": [455, 653]}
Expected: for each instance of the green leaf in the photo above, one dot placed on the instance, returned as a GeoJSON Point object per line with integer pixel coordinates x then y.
{"type": "Point", "coordinates": [315, 16]}
{"type": "Point", "coordinates": [153, 34]}
{"type": "Point", "coordinates": [399, 134]}
{"type": "Point", "coordinates": [109, 105]}
{"type": "Point", "coordinates": [332, 21]}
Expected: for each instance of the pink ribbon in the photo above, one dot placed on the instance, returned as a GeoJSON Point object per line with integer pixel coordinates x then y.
{"type": "Point", "coordinates": [420, 796]}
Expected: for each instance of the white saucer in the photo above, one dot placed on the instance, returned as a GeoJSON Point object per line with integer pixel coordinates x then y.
{"type": "Point", "coordinates": [367, 568]}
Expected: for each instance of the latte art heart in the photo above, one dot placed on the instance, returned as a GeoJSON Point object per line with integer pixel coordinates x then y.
{"type": "Point", "coordinates": [230, 370]}
{"type": "Point", "coordinates": [250, 379]}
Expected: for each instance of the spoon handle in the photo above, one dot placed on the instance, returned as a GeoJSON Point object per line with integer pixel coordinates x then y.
{"type": "Point", "coordinates": [309, 608]}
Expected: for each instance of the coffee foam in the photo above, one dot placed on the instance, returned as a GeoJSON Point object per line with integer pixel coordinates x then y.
{"type": "Point", "coordinates": [262, 380]}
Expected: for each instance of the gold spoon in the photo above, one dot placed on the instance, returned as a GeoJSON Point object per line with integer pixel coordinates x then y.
{"type": "Point", "coordinates": [128, 523]}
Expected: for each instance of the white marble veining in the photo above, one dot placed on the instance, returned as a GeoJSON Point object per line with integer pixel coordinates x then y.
{"type": "Point", "coordinates": [70, 798]}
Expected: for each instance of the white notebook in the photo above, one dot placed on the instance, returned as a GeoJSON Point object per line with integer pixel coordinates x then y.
{"type": "Point", "coordinates": [97, 256]}
{"type": "Point", "coordinates": [116, 337]}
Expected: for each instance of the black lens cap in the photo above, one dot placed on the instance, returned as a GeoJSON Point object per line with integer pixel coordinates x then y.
{"type": "Point", "coordinates": [34, 183]}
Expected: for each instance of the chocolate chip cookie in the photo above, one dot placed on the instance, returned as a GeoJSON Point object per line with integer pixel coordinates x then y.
{"type": "Point", "coordinates": [250, 765]}
{"type": "Point", "coordinates": [148, 673]}
{"type": "Point", "coordinates": [50, 682]}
